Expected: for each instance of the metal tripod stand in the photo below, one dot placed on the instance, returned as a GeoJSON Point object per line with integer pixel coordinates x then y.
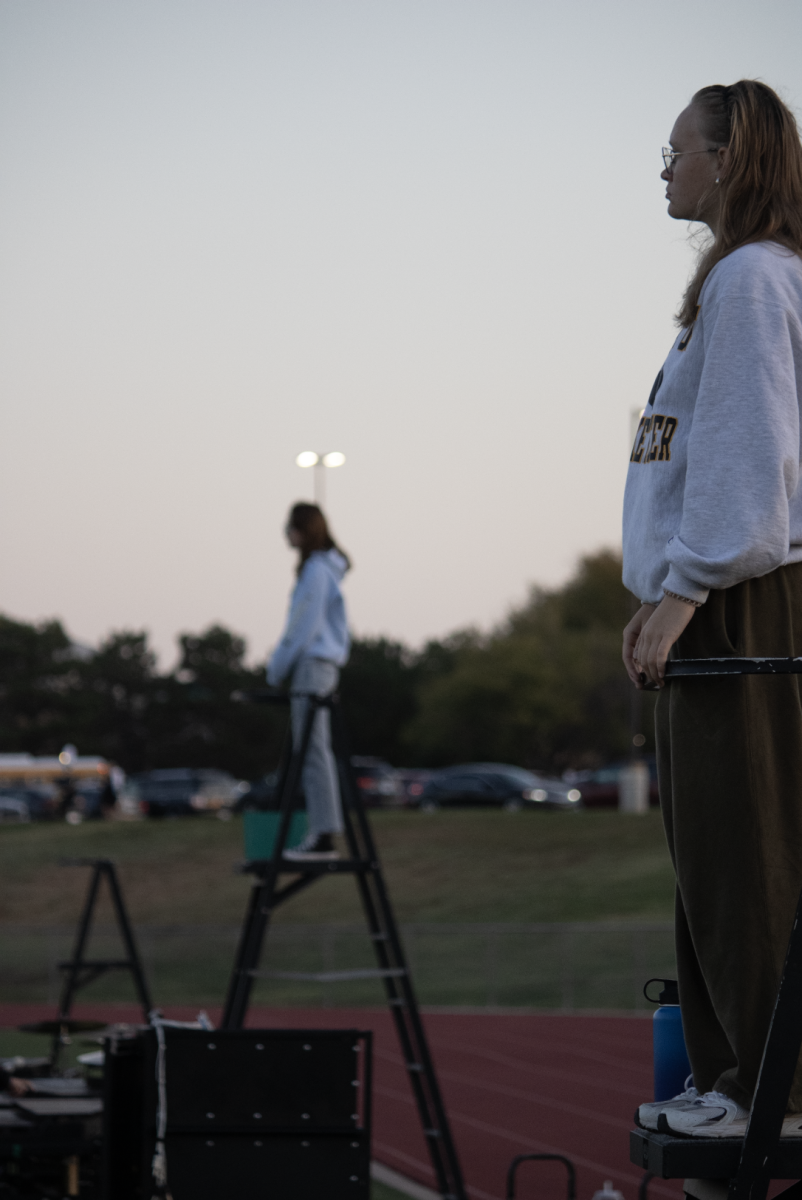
{"type": "Point", "coordinates": [80, 971]}
{"type": "Point", "coordinates": [268, 892]}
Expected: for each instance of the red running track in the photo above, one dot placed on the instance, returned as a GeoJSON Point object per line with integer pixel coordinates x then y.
{"type": "Point", "coordinates": [512, 1083]}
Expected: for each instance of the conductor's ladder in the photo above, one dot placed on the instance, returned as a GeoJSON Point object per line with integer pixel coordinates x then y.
{"type": "Point", "coordinates": [270, 890]}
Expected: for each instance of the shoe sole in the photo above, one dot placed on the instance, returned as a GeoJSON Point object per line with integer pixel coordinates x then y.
{"type": "Point", "coordinates": [655, 1128]}
{"type": "Point", "coordinates": [791, 1128]}
{"type": "Point", "coordinates": [323, 856]}
{"type": "Point", "coordinates": [725, 1131]}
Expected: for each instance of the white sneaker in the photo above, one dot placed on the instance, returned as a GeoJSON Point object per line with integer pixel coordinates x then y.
{"type": "Point", "coordinates": [711, 1115]}
{"type": "Point", "coordinates": [647, 1114]}
{"type": "Point", "coordinates": [315, 847]}
{"type": "Point", "coordinates": [792, 1126]}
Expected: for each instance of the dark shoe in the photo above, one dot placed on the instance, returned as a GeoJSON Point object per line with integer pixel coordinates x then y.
{"type": "Point", "coordinates": [316, 847]}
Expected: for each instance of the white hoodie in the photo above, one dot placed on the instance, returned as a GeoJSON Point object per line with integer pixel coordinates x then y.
{"type": "Point", "coordinates": [316, 624]}
{"type": "Point", "coordinates": [713, 493]}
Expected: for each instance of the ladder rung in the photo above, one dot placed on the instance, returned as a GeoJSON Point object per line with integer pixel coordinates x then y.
{"type": "Point", "coordinates": [94, 964]}
{"type": "Point", "coordinates": [331, 976]}
{"type": "Point", "coordinates": [260, 867]}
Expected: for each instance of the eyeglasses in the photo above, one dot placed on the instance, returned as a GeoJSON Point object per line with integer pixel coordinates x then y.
{"type": "Point", "coordinates": [670, 156]}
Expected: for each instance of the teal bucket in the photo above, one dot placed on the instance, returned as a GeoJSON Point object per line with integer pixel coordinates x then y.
{"type": "Point", "coordinates": [261, 828]}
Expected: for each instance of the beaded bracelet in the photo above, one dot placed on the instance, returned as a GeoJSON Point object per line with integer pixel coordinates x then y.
{"type": "Point", "coordinates": [684, 599]}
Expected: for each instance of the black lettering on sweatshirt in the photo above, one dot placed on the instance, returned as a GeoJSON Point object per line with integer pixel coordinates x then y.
{"type": "Point", "coordinates": [653, 439]}
{"type": "Point", "coordinates": [665, 440]}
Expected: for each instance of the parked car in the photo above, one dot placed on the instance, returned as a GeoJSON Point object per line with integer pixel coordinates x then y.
{"type": "Point", "coordinates": [86, 800]}
{"type": "Point", "coordinates": [488, 784]}
{"type": "Point", "coordinates": [13, 809]}
{"type": "Point", "coordinates": [377, 781]}
{"type": "Point", "coordinates": [380, 785]}
{"type": "Point", "coordinates": [411, 782]}
{"type": "Point", "coordinates": [262, 794]}
{"type": "Point", "coordinates": [599, 787]}
{"type": "Point", "coordinates": [27, 804]}
{"type": "Point", "coordinates": [176, 791]}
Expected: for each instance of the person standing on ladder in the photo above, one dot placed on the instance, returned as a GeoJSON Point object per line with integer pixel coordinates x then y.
{"type": "Point", "coordinates": [314, 645]}
{"type": "Point", "coordinates": [713, 549]}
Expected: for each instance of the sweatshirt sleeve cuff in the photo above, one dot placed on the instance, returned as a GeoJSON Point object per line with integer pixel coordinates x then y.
{"type": "Point", "coordinates": [675, 581]}
{"type": "Point", "coordinates": [276, 670]}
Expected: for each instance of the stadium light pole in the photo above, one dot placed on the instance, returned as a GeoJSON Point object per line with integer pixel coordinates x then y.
{"type": "Point", "coordinates": [320, 462]}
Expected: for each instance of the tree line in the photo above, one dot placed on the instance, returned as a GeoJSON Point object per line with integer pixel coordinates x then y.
{"type": "Point", "coordinates": [543, 689]}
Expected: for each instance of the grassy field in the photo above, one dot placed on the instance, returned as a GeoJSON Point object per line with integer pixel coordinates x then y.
{"type": "Point", "coordinates": [534, 910]}
{"type": "Point", "coordinates": [456, 867]}
{"type": "Point", "coordinates": [461, 866]}
{"type": "Point", "coordinates": [380, 1191]}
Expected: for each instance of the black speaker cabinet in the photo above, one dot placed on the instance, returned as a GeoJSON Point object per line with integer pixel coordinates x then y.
{"type": "Point", "coordinates": [260, 1114]}
{"type": "Point", "coordinates": [123, 1118]}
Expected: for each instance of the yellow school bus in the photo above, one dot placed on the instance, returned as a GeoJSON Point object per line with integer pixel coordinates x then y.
{"type": "Point", "coordinates": [67, 784]}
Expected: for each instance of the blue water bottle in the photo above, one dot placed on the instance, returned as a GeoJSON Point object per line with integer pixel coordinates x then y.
{"type": "Point", "coordinates": [671, 1066]}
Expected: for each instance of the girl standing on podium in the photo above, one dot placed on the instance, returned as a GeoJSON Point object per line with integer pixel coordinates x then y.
{"type": "Point", "coordinates": [713, 549]}
{"type": "Point", "coordinates": [314, 645]}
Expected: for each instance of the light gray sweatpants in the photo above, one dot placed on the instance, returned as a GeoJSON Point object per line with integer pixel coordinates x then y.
{"type": "Point", "coordinates": [319, 677]}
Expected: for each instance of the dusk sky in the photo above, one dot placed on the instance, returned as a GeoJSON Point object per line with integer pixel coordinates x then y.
{"type": "Point", "coordinates": [430, 234]}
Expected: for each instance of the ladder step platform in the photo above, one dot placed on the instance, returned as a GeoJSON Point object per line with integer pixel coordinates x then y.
{"type": "Point", "coordinates": [706, 1158]}
{"type": "Point", "coordinates": [332, 866]}
{"type": "Point", "coordinates": [332, 976]}
{"type": "Point", "coordinates": [121, 964]}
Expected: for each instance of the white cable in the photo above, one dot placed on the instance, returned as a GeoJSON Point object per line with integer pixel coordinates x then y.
{"type": "Point", "coordinates": [159, 1164]}
{"type": "Point", "coordinates": [159, 1024]}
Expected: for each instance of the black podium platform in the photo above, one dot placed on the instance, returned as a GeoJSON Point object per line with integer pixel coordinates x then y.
{"type": "Point", "coordinates": [707, 1158]}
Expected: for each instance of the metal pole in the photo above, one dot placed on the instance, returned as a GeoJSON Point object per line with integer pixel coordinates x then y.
{"type": "Point", "coordinates": [776, 1076]}
{"type": "Point", "coordinates": [129, 941]}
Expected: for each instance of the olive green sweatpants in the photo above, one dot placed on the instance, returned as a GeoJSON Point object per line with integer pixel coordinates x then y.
{"type": "Point", "coordinates": [729, 759]}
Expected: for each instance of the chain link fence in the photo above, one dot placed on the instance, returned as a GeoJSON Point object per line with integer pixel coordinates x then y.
{"type": "Point", "coordinates": [583, 965]}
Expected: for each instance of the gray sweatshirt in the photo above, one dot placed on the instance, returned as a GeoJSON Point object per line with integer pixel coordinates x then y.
{"type": "Point", "coordinates": [316, 623]}
{"type": "Point", "coordinates": [713, 492]}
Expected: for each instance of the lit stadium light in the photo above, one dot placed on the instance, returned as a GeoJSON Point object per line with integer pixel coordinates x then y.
{"type": "Point", "coordinates": [310, 458]}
